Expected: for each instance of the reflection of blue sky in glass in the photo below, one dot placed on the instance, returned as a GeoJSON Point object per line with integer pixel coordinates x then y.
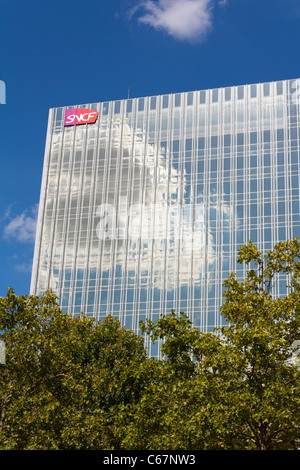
{"type": "Point", "coordinates": [145, 210]}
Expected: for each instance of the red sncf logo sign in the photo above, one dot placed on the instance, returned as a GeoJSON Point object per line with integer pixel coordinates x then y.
{"type": "Point", "coordinates": [80, 116]}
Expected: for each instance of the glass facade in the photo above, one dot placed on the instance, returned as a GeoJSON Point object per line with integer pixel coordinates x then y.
{"type": "Point", "coordinates": [143, 211]}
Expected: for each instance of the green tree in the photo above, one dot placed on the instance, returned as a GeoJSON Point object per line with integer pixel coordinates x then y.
{"type": "Point", "coordinates": [71, 383]}
{"type": "Point", "coordinates": [236, 388]}
{"type": "Point", "coordinates": [177, 411]}
{"type": "Point", "coordinates": [264, 401]}
{"type": "Point", "coordinates": [66, 380]}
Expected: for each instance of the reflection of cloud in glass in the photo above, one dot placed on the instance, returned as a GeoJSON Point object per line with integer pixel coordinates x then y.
{"type": "Point", "coordinates": [143, 217]}
{"type": "Point", "coordinates": [295, 358]}
{"type": "Point", "coordinates": [2, 352]}
{"type": "Point", "coordinates": [154, 210]}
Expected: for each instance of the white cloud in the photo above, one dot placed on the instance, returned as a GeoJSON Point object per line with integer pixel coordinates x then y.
{"type": "Point", "coordinates": [24, 267]}
{"type": "Point", "coordinates": [182, 19]}
{"type": "Point", "coordinates": [22, 227]}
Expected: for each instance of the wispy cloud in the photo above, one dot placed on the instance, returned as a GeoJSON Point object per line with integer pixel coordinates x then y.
{"type": "Point", "coordinates": [21, 227]}
{"type": "Point", "coordinates": [23, 267]}
{"type": "Point", "coordinates": [183, 19]}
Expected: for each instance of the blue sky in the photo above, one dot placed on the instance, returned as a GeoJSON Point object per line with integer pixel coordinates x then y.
{"type": "Point", "coordinates": [65, 52]}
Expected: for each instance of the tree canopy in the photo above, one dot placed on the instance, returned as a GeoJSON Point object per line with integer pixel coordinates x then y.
{"type": "Point", "coordinates": [73, 383]}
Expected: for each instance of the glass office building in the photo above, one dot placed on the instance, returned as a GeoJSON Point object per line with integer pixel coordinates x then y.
{"type": "Point", "coordinates": [143, 211]}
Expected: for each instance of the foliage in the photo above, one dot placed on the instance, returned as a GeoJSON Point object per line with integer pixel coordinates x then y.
{"type": "Point", "coordinates": [71, 383]}
{"type": "Point", "coordinates": [237, 388]}
{"type": "Point", "coordinates": [64, 377]}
